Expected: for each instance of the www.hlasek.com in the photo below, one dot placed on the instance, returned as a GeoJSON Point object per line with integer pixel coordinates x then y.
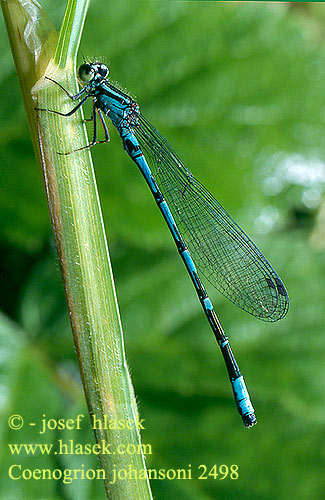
{"type": "Point", "coordinates": [70, 447]}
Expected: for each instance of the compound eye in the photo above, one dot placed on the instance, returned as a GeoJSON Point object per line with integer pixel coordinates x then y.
{"type": "Point", "coordinates": [85, 73]}
{"type": "Point", "coordinates": [103, 70]}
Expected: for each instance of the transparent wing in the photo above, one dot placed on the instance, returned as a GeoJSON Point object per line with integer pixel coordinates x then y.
{"type": "Point", "coordinates": [221, 250]}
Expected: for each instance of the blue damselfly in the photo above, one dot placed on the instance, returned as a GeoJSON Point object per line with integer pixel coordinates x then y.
{"type": "Point", "coordinates": [200, 226]}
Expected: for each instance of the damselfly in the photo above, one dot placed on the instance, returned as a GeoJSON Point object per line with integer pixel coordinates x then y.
{"type": "Point", "coordinates": [203, 231]}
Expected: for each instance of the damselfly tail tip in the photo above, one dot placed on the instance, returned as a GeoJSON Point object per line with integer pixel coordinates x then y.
{"type": "Point", "coordinates": [249, 420]}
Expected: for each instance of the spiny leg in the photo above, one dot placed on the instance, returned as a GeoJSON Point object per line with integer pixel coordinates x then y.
{"type": "Point", "coordinates": [102, 121]}
{"type": "Point", "coordinates": [72, 111]}
{"type": "Point", "coordinates": [69, 112]}
{"type": "Point", "coordinates": [94, 141]}
{"type": "Point", "coordinates": [73, 97]}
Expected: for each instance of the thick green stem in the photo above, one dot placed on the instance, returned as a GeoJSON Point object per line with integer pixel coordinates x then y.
{"type": "Point", "coordinates": [78, 229]}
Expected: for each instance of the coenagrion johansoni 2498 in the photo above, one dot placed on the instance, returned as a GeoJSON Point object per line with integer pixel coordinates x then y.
{"type": "Point", "coordinates": [208, 240]}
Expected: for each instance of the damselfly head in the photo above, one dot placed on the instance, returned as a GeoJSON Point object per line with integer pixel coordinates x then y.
{"type": "Point", "coordinates": [87, 72]}
{"type": "Point", "coordinates": [101, 68]}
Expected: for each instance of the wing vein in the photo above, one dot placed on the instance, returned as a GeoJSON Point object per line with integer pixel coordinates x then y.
{"type": "Point", "coordinates": [223, 253]}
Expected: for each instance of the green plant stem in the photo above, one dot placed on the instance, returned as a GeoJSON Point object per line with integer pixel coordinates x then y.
{"type": "Point", "coordinates": [78, 229]}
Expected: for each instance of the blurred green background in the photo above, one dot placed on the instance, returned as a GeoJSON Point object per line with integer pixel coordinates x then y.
{"type": "Point", "coordinates": [238, 90]}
